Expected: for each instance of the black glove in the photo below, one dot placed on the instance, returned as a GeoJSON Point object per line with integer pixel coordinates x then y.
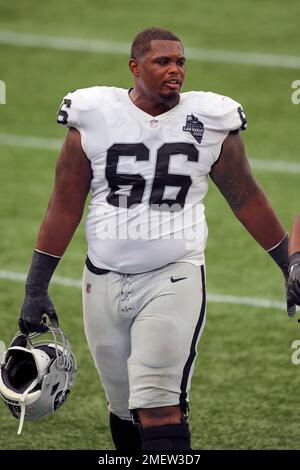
{"type": "Point", "coordinates": [280, 255]}
{"type": "Point", "coordinates": [293, 282]}
{"type": "Point", "coordinates": [32, 311]}
{"type": "Point", "coordinates": [37, 302]}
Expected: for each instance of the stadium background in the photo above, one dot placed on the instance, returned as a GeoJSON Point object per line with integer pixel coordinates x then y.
{"type": "Point", "coordinates": [245, 392]}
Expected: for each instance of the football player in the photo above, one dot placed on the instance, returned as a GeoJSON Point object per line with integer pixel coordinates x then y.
{"type": "Point", "coordinates": [146, 154]}
{"type": "Point", "coordinates": [293, 284]}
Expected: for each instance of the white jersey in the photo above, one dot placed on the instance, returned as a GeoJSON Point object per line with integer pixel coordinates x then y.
{"type": "Point", "coordinates": [150, 174]}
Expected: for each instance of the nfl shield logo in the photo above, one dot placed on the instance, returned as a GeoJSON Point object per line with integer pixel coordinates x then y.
{"type": "Point", "coordinates": [153, 123]}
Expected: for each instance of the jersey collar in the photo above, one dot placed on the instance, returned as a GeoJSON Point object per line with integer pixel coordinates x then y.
{"type": "Point", "coordinates": [151, 121]}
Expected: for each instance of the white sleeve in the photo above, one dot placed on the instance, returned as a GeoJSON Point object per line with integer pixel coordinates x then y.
{"type": "Point", "coordinates": [67, 115]}
{"type": "Point", "coordinates": [225, 116]}
{"type": "Point", "coordinates": [233, 118]}
{"type": "Point", "coordinates": [77, 110]}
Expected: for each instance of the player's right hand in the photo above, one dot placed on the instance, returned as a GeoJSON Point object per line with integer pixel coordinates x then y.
{"type": "Point", "coordinates": [32, 311]}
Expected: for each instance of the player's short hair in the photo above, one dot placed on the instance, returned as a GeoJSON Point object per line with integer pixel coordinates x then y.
{"type": "Point", "coordinates": [142, 42]}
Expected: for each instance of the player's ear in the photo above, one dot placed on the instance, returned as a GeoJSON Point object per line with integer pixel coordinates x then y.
{"type": "Point", "coordinates": [134, 67]}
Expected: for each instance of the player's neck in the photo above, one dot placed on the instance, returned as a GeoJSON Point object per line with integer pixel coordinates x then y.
{"type": "Point", "coordinates": [150, 106]}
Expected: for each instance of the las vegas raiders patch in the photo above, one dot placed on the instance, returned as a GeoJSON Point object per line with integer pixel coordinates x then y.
{"type": "Point", "coordinates": [194, 127]}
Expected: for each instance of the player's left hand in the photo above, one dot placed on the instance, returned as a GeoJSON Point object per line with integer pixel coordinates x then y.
{"type": "Point", "coordinates": [293, 285]}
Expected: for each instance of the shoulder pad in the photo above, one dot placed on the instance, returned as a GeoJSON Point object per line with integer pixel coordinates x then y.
{"type": "Point", "coordinates": [75, 103]}
{"type": "Point", "coordinates": [224, 113]}
{"type": "Point", "coordinates": [229, 113]}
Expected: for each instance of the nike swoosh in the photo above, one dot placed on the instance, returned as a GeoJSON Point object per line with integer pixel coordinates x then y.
{"type": "Point", "coordinates": [177, 279]}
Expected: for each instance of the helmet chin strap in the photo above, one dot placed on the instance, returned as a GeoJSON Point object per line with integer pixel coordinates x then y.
{"type": "Point", "coordinates": [21, 418]}
{"type": "Point", "coordinates": [23, 404]}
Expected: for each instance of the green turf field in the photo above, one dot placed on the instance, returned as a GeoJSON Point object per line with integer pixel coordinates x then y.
{"type": "Point", "coordinates": [245, 392]}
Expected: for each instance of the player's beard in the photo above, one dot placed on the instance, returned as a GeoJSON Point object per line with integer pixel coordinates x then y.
{"type": "Point", "coordinates": [171, 99]}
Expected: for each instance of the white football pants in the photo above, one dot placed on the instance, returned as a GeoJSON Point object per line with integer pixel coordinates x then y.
{"type": "Point", "coordinates": [142, 331]}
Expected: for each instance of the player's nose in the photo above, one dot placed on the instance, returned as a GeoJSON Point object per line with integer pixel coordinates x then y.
{"type": "Point", "coordinates": [175, 70]}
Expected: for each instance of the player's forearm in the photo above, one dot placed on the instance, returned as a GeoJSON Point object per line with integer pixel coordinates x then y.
{"type": "Point", "coordinates": [261, 221]}
{"type": "Point", "coordinates": [294, 243]}
{"type": "Point", "coordinates": [54, 236]}
{"type": "Point", "coordinates": [56, 231]}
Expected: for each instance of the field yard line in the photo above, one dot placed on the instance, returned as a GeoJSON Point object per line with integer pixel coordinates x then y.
{"type": "Point", "coordinates": [13, 38]}
{"type": "Point", "coordinates": [216, 298]}
{"type": "Point", "coordinates": [61, 281]}
{"type": "Point", "coordinates": [271, 166]}
{"type": "Point", "coordinates": [30, 141]}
